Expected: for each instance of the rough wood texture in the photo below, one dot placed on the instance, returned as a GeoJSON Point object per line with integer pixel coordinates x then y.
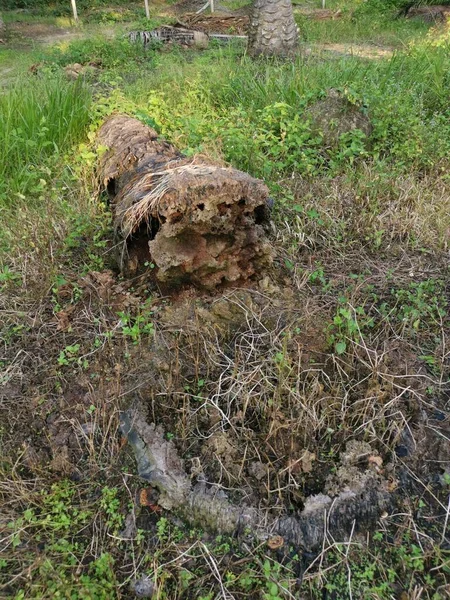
{"type": "Point", "coordinates": [197, 222]}
{"type": "Point", "coordinates": [429, 14]}
{"type": "Point", "coordinates": [272, 30]}
{"type": "Point", "coordinates": [168, 34]}
{"type": "Point", "coordinates": [356, 508]}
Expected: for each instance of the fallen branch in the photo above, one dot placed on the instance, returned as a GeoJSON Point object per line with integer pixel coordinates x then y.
{"type": "Point", "coordinates": [180, 34]}
{"type": "Point", "coordinates": [208, 506]}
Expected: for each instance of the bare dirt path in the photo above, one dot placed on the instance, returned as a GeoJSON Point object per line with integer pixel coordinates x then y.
{"type": "Point", "coordinates": [369, 51]}
{"type": "Point", "coordinates": [21, 34]}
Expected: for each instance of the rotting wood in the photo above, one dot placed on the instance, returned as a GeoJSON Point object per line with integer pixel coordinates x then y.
{"type": "Point", "coordinates": [167, 34]}
{"type": "Point", "coordinates": [182, 36]}
{"type": "Point", "coordinates": [354, 509]}
{"type": "Point", "coordinates": [195, 221]}
{"type": "Point", "coordinates": [429, 14]}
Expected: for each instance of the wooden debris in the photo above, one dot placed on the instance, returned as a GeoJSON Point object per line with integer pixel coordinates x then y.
{"type": "Point", "coordinates": [194, 221]}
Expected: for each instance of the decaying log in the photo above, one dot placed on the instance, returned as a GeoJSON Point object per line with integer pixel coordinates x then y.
{"type": "Point", "coordinates": [180, 35]}
{"type": "Point", "coordinates": [167, 33]}
{"type": "Point", "coordinates": [429, 14]}
{"type": "Point", "coordinates": [353, 509]}
{"type": "Point", "coordinates": [194, 221]}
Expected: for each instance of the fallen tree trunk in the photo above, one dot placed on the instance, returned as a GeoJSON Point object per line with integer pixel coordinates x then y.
{"type": "Point", "coordinates": [193, 220]}
{"type": "Point", "coordinates": [353, 509]}
{"type": "Point", "coordinates": [429, 14]}
{"type": "Point", "coordinates": [169, 34]}
{"type": "Point", "coordinates": [180, 35]}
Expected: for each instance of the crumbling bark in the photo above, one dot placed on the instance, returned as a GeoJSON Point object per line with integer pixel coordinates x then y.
{"type": "Point", "coordinates": [202, 505]}
{"type": "Point", "coordinates": [195, 221]}
{"type": "Point", "coordinates": [429, 14]}
{"type": "Point", "coordinates": [273, 30]}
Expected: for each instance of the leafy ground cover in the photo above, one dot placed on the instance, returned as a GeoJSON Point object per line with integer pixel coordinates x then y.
{"type": "Point", "coordinates": [345, 341]}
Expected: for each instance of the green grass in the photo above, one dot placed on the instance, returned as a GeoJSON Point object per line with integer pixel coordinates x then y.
{"type": "Point", "coordinates": [39, 122]}
{"type": "Point", "coordinates": [259, 111]}
{"type": "Point", "coordinates": [371, 29]}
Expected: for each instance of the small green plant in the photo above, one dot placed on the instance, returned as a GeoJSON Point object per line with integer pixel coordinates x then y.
{"type": "Point", "coordinates": [8, 276]}
{"type": "Point", "coordinates": [348, 325]}
{"type": "Point", "coordinates": [110, 504]}
{"type": "Point", "coordinates": [275, 582]}
{"type": "Point", "coordinates": [70, 356]}
{"type": "Point", "coordinates": [420, 305]}
{"type": "Point", "coordinates": [135, 327]}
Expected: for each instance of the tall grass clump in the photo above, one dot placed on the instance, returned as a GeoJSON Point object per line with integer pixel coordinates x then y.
{"type": "Point", "coordinates": [255, 114]}
{"type": "Point", "coordinates": [39, 121]}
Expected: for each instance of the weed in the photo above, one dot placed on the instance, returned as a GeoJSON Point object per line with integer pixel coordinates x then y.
{"type": "Point", "coordinates": [349, 324]}
{"type": "Point", "coordinates": [38, 123]}
{"type": "Point", "coordinates": [421, 305]}
{"type": "Point", "coordinates": [135, 327]}
{"type": "Point", "coordinates": [8, 276]}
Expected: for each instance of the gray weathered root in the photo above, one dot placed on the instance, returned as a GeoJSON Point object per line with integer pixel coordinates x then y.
{"type": "Point", "coordinates": [352, 509]}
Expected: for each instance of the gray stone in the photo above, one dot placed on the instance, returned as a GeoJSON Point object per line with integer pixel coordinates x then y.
{"type": "Point", "coordinates": [143, 587]}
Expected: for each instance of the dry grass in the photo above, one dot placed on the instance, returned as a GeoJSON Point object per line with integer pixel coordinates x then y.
{"type": "Point", "coordinates": [248, 385]}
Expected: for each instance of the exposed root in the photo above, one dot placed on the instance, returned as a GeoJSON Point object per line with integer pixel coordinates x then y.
{"type": "Point", "coordinates": [208, 506]}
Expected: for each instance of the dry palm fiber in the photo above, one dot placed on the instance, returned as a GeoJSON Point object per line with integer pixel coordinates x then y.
{"type": "Point", "coordinates": [196, 221]}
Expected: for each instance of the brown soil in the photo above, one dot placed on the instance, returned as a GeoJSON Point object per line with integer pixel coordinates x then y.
{"type": "Point", "coordinates": [355, 50]}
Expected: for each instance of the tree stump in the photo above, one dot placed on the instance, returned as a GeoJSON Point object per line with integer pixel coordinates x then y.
{"type": "Point", "coordinates": [192, 220]}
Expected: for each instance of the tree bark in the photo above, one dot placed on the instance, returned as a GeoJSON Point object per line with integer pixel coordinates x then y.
{"type": "Point", "coordinates": [207, 506]}
{"type": "Point", "coordinates": [272, 31]}
{"type": "Point", "coordinates": [194, 221]}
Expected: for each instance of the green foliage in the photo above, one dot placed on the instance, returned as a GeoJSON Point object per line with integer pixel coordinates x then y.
{"type": "Point", "coordinates": [255, 115]}
{"type": "Point", "coordinates": [8, 276]}
{"type": "Point", "coordinates": [111, 53]}
{"type": "Point", "coordinates": [57, 7]}
{"type": "Point", "coordinates": [349, 324]}
{"type": "Point", "coordinates": [363, 573]}
{"type": "Point", "coordinates": [135, 327]}
{"type": "Point", "coordinates": [421, 306]}
{"type": "Point", "coordinates": [55, 519]}
{"type": "Point", "coordinates": [39, 121]}
{"type": "Point", "coordinates": [110, 503]}
{"type": "Point", "coordinates": [391, 7]}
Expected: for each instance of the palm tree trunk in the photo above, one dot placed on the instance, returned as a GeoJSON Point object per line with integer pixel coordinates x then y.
{"type": "Point", "coordinates": [273, 31]}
